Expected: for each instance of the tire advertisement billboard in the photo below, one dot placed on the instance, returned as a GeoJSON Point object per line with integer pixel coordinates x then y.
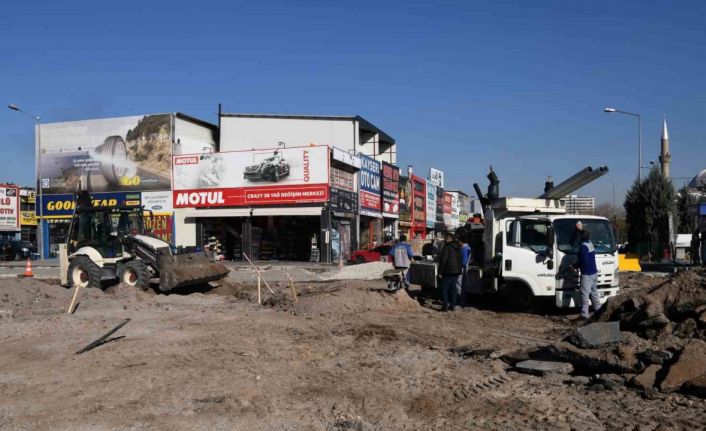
{"type": "Point", "coordinates": [113, 154]}
{"type": "Point", "coordinates": [9, 208]}
{"type": "Point", "coordinates": [370, 194]}
{"type": "Point", "coordinates": [257, 177]}
{"type": "Point", "coordinates": [390, 190]}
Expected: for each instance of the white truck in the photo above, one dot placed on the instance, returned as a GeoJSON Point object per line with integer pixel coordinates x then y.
{"type": "Point", "coordinates": [528, 247]}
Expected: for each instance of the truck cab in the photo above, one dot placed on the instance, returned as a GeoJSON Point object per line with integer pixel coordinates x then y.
{"type": "Point", "coordinates": [539, 253]}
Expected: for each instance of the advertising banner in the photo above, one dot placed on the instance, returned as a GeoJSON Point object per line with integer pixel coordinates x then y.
{"type": "Point", "coordinates": [455, 210]}
{"type": "Point", "coordinates": [447, 209]}
{"type": "Point", "coordinates": [160, 226]}
{"type": "Point", "coordinates": [390, 190]}
{"type": "Point", "coordinates": [257, 177]}
{"type": "Point", "coordinates": [157, 202]}
{"type": "Point", "coordinates": [436, 177]}
{"type": "Point", "coordinates": [420, 199]}
{"type": "Point", "coordinates": [28, 196]}
{"type": "Point", "coordinates": [405, 188]}
{"type": "Point", "coordinates": [28, 218]}
{"type": "Point", "coordinates": [344, 200]}
{"type": "Point", "coordinates": [343, 180]}
{"type": "Point", "coordinates": [9, 208]}
{"type": "Point", "coordinates": [113, 154]}
{"type": "Point", "coordinates": [62, 206]}
{"type": "Point", "coordinates": [431, 205]}
{"type": "Point", "coordinates": [369, 176]}
{"type": "Point", "coordinates": [440, 209]}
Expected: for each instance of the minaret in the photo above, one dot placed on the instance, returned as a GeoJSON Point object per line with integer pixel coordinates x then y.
{"type": "Point", "coordinates": [664, 157]}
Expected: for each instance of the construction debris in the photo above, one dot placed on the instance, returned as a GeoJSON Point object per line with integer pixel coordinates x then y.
{"type": "Point", "coordinates": [595, 335]}
{"type": "Point", "coordinates": [103, 339]}
{"type": "Point", "coordinates": [542, 368]}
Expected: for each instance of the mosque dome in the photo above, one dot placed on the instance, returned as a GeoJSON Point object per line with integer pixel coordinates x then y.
{"type": "Point", "coordinates": [699, 181]}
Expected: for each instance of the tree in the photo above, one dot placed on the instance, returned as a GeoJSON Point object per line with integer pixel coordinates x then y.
{"type": "Point", "coordinates": [648, 205]}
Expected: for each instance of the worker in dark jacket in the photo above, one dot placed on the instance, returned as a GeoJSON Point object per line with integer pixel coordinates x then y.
{"type": "Point", "coordinates": [450, 268]}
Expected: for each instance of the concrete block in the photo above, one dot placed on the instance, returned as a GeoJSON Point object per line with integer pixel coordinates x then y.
{"type": "Point", "coordinates": [542, 368]}
{"type": "Point", "coordinates": [596, 335]}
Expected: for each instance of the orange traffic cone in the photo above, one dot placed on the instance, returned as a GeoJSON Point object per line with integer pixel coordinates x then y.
{"type": "Point", "coordinates": [28, 270]}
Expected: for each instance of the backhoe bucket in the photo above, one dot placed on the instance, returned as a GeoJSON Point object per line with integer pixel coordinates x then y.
{"type": "Point", "coordinates": [188, 269]}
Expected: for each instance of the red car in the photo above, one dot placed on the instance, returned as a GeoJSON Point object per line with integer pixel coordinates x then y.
{"type": "Point", "coordinates": [374, 255]}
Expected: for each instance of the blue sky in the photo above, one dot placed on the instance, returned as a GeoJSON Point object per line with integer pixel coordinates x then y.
{"type": "Point", "coordinates": [460, 85]}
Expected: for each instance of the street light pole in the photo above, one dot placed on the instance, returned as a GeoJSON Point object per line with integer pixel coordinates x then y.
{"type": "Point", "coordinates": [38, 167]}
{"type": "Point", "coordinates": [639, 138]}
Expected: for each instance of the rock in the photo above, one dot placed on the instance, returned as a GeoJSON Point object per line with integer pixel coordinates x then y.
{"type": "Point", "coordinates": [696, 387]}
{"type": "Point", "coordinates": [608, 383]}
{"type": "Point", "coordinates": [542, 368]}
{"type": "Point", "coordinates": [647, 379]}
{"type": "Point", "coordinates": [651, 356]}
{"type": "Point", "coordinates": [686, 329]}
{"type": "Point", "coordinates": [512, 358]}
{"type": "Point", "coordinates": [690, 364]}
{"type": "Point", "coordinates": [596, 335]}
{"type": "Point", "coordinates": [702, 318]}
{"type": "Point", "coordinates": [467, 352]}
{"type": "Point", "coordinates": [588, 361]}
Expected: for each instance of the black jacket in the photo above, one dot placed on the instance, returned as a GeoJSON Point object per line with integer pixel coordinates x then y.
{"type": "Point", "coordinates": [450, 261]}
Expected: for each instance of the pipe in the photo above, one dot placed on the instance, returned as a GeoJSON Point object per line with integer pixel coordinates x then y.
{"type": "Point", "coordinates": [575, 182]}
{"type": "Point", "coordinates": [567, 185]}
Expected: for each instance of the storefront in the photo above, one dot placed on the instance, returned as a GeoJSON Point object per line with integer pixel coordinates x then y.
{"type": "Point", "coordinates": [59, 209]}
{"type": "Point", "coordinates": [268, 204]}
{"type": "Point", "coordinates": [370, 194]}
{"type": "Point", "coordinates": [343, 204]}
{"type": "Point", "coordinates": [390, 200]}
{"type": "Point", "coordinates": [28, 216]}
{"type": "Point", "coordinates": [9, 212]}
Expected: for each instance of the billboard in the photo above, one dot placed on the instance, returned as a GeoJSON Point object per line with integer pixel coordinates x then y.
{"type": "Point", "coordinates": [257, 177]}
{"type": "Point", "coordinates": [62, 206]}
{"type": "Point", "coordinates": [9, 208]}
{"type": "Point", "coordinates": [436, 177]}
{"type": "Point", "coordinates": [369, 180]}
{"type": "Point", "coordinates": [390, 190]}
{"type": "Point", "coordinates": [113, 154]}
{"type": "Point", "coordinates": [405, 188]}
{"type": "Point", "coordinates": [431, 205]}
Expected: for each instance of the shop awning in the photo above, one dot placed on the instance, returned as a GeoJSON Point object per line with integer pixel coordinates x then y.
{"type": "Point", "coordinates": [216, 212]}
{"type": "Point", "coordinates": [288, 211]}
{"type": "Point", "coordinates": [247, 212]}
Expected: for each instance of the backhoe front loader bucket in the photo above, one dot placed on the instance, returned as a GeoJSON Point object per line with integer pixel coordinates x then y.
{"type": "Point", "coordinates": [188, 269]}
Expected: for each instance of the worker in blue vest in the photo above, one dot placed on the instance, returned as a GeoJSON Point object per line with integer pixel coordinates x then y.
{"type": "Point", "coordinates": [586, 264]}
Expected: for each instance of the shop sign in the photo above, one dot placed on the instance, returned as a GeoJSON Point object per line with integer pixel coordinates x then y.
{"type": "Point", "coordinates": [159, 226]}
{"type": "Point", "coordinates": [9, 208]}
{"type": "Point", "coordinates": [345, 157]}
{"type": "Point", "coordinates": [256, 177]}
{"type": "Point", "coordinates": [390, 190]}
{"type": "Point", "coordinates": [405, 188]}
{"type": "Point", "coordinates": [28, 196]}
{"type": "Point", "coordinates": [420, 204]}
{"type": "Point", "coordinates": [436, 177]}
{"type": "Point", "coordinates": [343, 180]}
{"type": "Point", "coordinates": [28, 218]}
{"type": "Point", "coordinates": [455, 209]}
{"type": "Point", "coordinates": [431, 205]}
{"type": "Point", "coordinates": [440, 209]}
{"type": "Point", "coordinates": [64, 205]}
{"type": "Point", "coordinates": [369, 177]}
{"type": "Point", "coordinates": [344, 200]}
{"type": "Point", "coordinates": [447, 206]}
{"type": "Point", "coordinates": [123, 154]}
{"type": "Point", "coordinates": [157, 202]}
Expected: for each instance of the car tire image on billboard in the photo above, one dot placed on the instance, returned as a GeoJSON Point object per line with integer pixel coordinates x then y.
{"type": "Point", "coordinates": [113, 153]}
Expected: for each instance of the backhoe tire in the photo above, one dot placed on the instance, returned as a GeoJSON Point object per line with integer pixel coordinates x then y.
{"type": "Point", "coordinates": [84, 273]}
{"type": "Point", "coordinates": [135, 273]}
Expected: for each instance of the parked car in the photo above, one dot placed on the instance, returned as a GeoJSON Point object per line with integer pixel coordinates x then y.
{"type": "Point", "coordinates": [271, 169]}
{"type": "Point", "coordinates": [374, 255]}
{"type": "Point", "coordinates": [16, 250]}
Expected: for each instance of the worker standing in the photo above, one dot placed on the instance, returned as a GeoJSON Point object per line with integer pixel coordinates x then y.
{"type": "Point", "coordinates": [586, 263]}
{"type": "Point", "coordinates": [402, 255]}
{"type": "Point", "coordinates": [450, 268]}
{"type": "Point", "coordinates": [465, 260]}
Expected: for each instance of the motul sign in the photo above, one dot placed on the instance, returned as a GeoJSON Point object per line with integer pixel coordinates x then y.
{"type": "Point", "coordinates": [198, 199]}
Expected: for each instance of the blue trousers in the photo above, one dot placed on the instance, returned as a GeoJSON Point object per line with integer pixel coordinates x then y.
{"type": "Point", "coordinates": [448, 291]}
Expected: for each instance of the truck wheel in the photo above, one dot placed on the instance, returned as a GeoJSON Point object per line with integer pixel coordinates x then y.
{"type": "Point", "coordinates": [135, 273]}
{"type": "Point", "coordinates": [359, 260]}
{"type": "Point", "coordinates": [519, 297]}
{"type": "Point", "coordinates": [114, 163]}
{"type": "Point", "coordinates": [84, 273]}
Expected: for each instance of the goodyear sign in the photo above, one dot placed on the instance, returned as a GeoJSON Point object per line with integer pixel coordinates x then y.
{"type": "Point", "coordinates": [61, 206]}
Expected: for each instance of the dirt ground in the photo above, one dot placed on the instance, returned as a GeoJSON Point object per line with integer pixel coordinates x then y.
{"type": "Point", "coordinates": [345, 356]}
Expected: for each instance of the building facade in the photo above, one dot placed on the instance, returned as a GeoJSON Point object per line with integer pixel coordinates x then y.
{"type": "Point", "coordinates": [580, 205]}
